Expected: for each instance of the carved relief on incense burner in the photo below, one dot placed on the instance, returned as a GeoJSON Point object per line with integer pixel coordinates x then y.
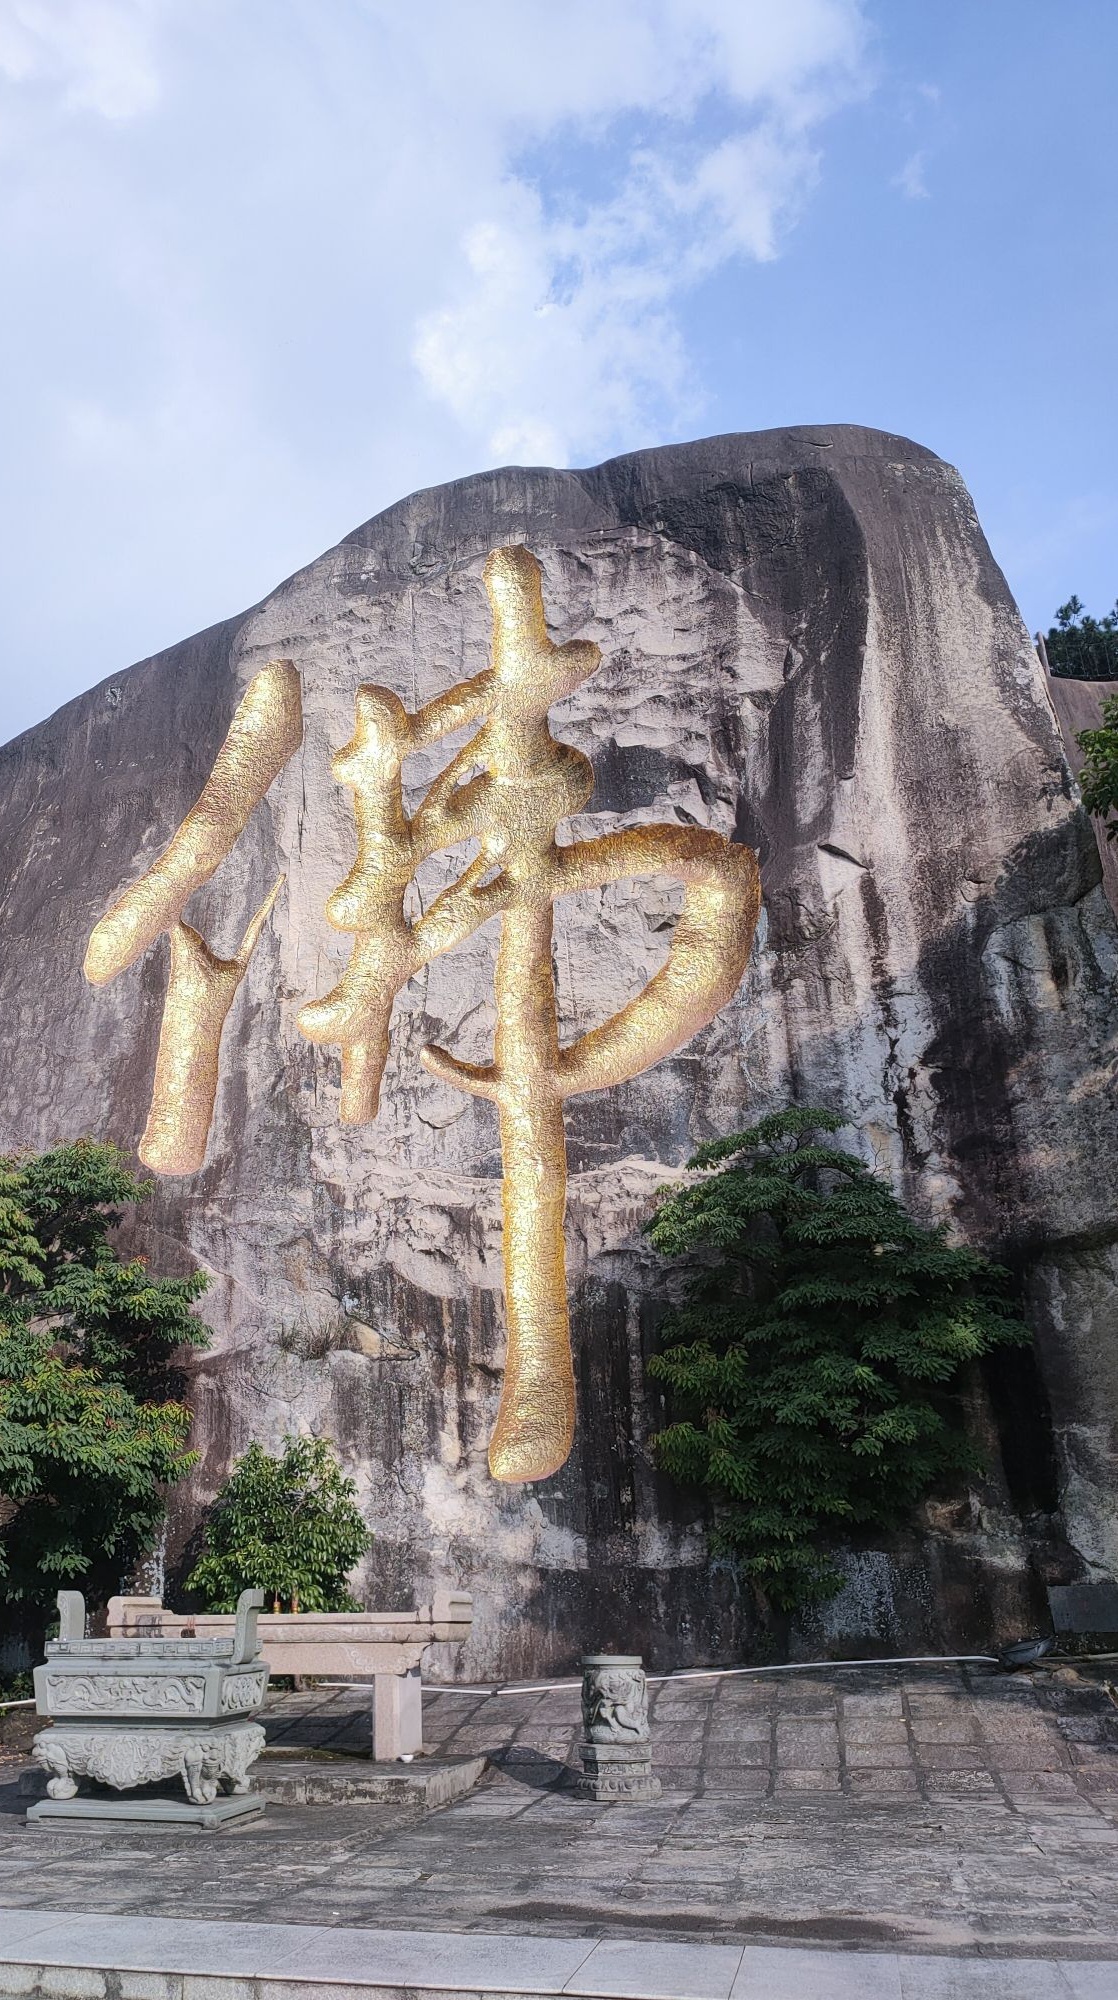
{"type": "Point", "coordinates": [207, 1762]}
{"type": "Point", "coordinates": [243, 1692]}
{"type": "Point", "coordinates": [104, 1694]}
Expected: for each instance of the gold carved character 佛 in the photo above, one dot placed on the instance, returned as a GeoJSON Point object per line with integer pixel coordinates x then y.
{"type": "Point", "coordinates": [509, 790]}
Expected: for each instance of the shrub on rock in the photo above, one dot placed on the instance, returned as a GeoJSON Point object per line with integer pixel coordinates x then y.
{"type": "Point", "coordinates": [811, 1370]}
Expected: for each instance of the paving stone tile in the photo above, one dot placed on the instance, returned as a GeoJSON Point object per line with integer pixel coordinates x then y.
{"type": "Point", "coordinates": [801, 1749]}
{"type": "Point", "coordinates": [1046, 1756]}
{"type": "Point", "coordinates": [991, 1979]}
{"type": "Point", "coordinates": [898, 1782]}
{"type": "Point", "coordinates": [875, 1729]}
{"type": "Point", "coordinates": [958, 1728]}
{"type": "Point", "coordinates": [745, 1728]}
{"type": "Point", "coordinates": [405, 1958]}
{"type": "Point", "coordinates": [1080, 1728]}
{"type": "Point", "coordinates": [887, 1705]}
{"type": "Point", "coordinates": [748, 1780]}
{"type": "Point", "coordinates": [878, 1756]}
{"type": "Point", "coordinates": [959, 1781]}
{"type": "Point", "coordinates": [1014, 1724]}
{"type": "Point", "coordinates": [791, 1780]}
{"type": "Point", "coordinates": [806, 1729]}
{"type": "Point", "coordinates": [121, 1944]}
{"type": "Point", "coordinates": [658, 1971]}
{"type": "Point", "coordinates": [754, 1751]}
{"type": "Point", "coordinates": [787, 1973]}
{"type": "Point", "coordinates": [1090, 1981]}
{"type": "Point", "coordinates": [1026, 1784]}
{"type": "Point", "coordinates": [951, 1756]}
{"type": "Point", "coordinates": [821, 1714]}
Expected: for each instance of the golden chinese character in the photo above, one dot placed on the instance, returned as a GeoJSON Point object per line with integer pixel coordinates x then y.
{"type": "Point", "coordinates": [265, 732]}
{"type": "Point", "coordinates": [527, 784]}
{"type": "Point", "coordinates": [510, 789]}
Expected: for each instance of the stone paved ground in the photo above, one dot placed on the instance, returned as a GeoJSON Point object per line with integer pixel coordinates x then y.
{"type": "Point", "coordinates": [936, 1809]}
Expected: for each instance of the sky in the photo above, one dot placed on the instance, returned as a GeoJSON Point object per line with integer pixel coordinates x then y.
{"type": "Point", "coordinates": [270, 265]}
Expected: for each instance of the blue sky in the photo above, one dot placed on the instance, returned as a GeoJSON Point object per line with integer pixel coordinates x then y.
{"type": "Point", "coordinates": [272, 264]}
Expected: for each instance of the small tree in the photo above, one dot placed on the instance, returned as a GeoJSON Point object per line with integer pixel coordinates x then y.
{"type": "Point", "coordinates": [810, 1369]}
{"type": "Point", "coordinates": [91, 1431]}
{"type": "Point", "coordinates": [1099, 776]}
{"type": "Point", "coordinates": [288, 1526]}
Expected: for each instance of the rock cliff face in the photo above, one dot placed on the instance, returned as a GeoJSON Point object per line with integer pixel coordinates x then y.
{"type": "Point", "coordinates": [1079, 706]}
{"type": "Point", "coordinates": [806, 644]}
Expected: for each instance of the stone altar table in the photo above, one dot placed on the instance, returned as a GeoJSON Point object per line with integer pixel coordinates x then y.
{"type": "Point", "coordinates": [386, 1647]}
{"type": "Point", "coordinates": [138, 1711]}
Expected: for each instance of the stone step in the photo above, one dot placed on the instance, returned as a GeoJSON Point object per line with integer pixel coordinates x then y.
{"type": "Point", "coordinates": [327, 1779]}
{"type": "Point", "coordinates": [141, 1812]}
{"type": "Point", "coordinates": [294, 1778]}
{"type": "Point", "coordinates": [56, 1955]}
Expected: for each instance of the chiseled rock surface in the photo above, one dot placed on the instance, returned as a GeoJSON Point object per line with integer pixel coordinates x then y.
{"type": "Point", "coordinates": [806, 644]}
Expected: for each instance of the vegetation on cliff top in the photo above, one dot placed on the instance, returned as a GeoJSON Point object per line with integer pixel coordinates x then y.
{"type": "Point", "coordinates": [1080, 647]}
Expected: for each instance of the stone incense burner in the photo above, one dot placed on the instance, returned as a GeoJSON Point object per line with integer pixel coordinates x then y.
{"type": "Point", "coordinates": [140, 1711]}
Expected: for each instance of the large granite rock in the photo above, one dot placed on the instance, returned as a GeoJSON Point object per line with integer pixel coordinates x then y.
{"type": "Point", "coordinates": [806, 643]}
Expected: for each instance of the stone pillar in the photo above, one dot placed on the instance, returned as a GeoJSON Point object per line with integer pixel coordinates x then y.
{"type": "Point", "coordinates": [397, 1716]}
{"type": "Point", "coordinates": [615, 1750]}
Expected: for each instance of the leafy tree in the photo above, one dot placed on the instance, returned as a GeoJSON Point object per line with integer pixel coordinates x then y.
{"type": "Point", "coordinates": [117, 1320]}
{"type": "Point", "coordinates": [91, 1432]}
{"type": "Point", "coordinates": [1080, 647]}
{"type": "Point", "coordinates": [1099, 776]}
{"type": "Point", "coordinates": [288, 1526]}
{"type": "Point", "coordinates": [809, 1371]}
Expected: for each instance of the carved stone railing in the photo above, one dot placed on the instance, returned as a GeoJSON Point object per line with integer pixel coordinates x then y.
{"type": "Point", "coordinates": [386, 1648]}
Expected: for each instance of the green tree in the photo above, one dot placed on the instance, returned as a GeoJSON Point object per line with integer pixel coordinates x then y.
{"type": "Point", "coordinates": [810, 1369]}
{"type": "Point", "coordinates": [1099, 776]}
{"type": "Point", "coordinates": [288, 1526]}
{"type": "Point", "coordinates": [91, 1431]}
{"type": "Point", "coordinates": [1080, 647]}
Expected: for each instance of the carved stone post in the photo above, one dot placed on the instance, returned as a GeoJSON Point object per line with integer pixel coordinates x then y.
{"type": "Point", "coordinates": [615, 1750]}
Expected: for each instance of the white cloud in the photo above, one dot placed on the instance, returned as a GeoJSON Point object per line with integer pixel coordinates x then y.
{"type": "Point", "coordinates": [272, 263]}
{"type": "Point", "coordinates": [912, 179]}
{"type": "Point", "coordinates": [559, 331]}
{"type": "Point", "coordinates": [97, 55]}
{"type": "Point", "coordinates": [526, 371]}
